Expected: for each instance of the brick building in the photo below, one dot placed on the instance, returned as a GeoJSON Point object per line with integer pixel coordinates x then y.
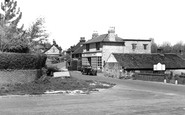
{"type": "Point", "coordinates": [97, 50]}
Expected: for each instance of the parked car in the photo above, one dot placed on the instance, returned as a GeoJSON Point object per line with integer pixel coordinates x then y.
{"type": "Point", "coordinates": [88, 70]}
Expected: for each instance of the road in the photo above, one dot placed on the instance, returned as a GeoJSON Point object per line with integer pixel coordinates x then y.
{"type": "Point", "coordinates": [128, 97]}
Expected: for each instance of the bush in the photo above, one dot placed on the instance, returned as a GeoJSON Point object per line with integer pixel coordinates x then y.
{"type": "Point", "coordinates": [22, 61]}
{"type": "Point", "coordinates": [51, 70]}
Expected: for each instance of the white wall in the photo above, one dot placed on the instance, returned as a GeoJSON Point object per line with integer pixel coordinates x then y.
{"type": "Point", "coordinates": [109, 49]}
{"type": "Point", "coordinates": [53, 50]}
{"type": "Point", "coordinates": [111, 59]}
{"type": "Point", "coordinates": [139, 47]}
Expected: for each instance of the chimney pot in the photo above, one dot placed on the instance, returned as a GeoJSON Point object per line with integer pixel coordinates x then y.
{"type": "Point", "coordinates": [95, 34]}
{"type": "Point", "coordinates": [111, 34]}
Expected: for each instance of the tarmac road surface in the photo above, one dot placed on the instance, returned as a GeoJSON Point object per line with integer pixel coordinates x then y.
{"type": "Point", "coordinates": [128, 97]}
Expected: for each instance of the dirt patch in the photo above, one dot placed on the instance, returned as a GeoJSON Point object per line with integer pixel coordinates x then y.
{"type": "Point", "coordinates": [52, 84]}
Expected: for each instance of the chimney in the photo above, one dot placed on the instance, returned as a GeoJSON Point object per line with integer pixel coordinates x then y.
{"type": "Point", "coordinates": [95, 34]}
{"type": "Point", "coordinates": [111, 34]}
{"type": "Point", "coordinates": [82, 39]}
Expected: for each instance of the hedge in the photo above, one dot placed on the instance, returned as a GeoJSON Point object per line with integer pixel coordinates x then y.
{"type": "Point", "coordinates": [22, 61]}
{"type": "Point", "coordinates": [149, 77]}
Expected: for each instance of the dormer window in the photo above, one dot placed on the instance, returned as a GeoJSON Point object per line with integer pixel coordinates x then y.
{"type": "Point", "coordinates": [134, 46]}
{"type": "Point", "coordinates": [145, 46]}
{"type": "Point", "coordinates": [87, 47]}
{"type": "Point", "coordinates": [98, 46]}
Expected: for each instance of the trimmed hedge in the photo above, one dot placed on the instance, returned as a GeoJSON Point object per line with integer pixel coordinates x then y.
{"type": "Point", "coordinates": [149, 77]}
{"type": "Point", "coordinates": [22, 61]}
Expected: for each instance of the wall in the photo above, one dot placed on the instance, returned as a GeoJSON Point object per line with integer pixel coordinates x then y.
{"type": "Point", "coordinates": [112, 70]}
{"type": "Point", "coordinates": [139, 47]}
{"type": "Point", "coordinates": [175, 71]}
{"type": "Point", "coordinates": [18, 76]}
{"type": "Point", "coordinates": [92, 48]}
{"type": "Point", "coordinates": [109, 48]}
{"type": "Point", "coordinates": [53, 50]}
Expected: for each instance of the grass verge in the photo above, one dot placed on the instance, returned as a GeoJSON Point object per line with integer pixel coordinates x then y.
{"type": "Point", "coordinates": [39, 87]}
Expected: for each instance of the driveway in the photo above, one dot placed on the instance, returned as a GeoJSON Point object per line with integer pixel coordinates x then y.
{"type": "Point", "coordinates": [128, 97]}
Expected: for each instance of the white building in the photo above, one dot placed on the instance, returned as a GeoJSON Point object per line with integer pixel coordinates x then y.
{"type": "Point", "coordinates": [98, 49]}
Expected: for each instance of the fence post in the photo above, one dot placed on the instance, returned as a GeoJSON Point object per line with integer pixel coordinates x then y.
{"type": "Point", "coordinates": [176, 82]}
{"type": "Point", "coordinates": [164, 80]}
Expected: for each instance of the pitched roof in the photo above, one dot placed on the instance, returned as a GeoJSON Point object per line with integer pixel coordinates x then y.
{"type": "Point", "coordinates": [77, 46]}
{"type": "Point", "coordinates": [146, 61]}
{"type": "Point", "coordinates": [79, 50]}
{"type": "Point", "coordinates": [59, 48]}
{"type": "Point", "coordinates": [103, 38]}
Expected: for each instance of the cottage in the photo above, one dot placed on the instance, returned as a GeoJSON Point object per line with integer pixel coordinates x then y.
{"type": "Point", "coordinates": [74, 62]}
{"type": "Point", "coordinates": [54, 50]}
{"type": "Point", "coordinates": [120, 64]}
{"type": "Point", "coordinates": [78, 49]}
{"type": "Point", "coordinates": [97, 50]}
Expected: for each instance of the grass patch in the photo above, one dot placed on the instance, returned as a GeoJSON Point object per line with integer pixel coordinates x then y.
{"type": "Point", "coordinates": [48, 84]}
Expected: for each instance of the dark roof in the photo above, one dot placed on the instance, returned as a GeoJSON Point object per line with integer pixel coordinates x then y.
{"type": "Point", "coordinates": [103, 38]}
{"type": "Point", "coordinates": [59, 48]}
{"type": "Point", "coordinates": [77, 46]}
{"type": "Point", "coordinates": [79, 50]}
{"type": "Point", "coordinates": [146, 61]}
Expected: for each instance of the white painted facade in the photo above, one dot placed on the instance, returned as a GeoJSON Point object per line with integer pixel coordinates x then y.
{"type": "Point", "coordinates": [113, 46]}
{"type": "Point", "coordinates": [53, 51]}
{"type": "Point", "coordinates": [111, 59]}
{"type": "Point", "coordinates": [139, 46]}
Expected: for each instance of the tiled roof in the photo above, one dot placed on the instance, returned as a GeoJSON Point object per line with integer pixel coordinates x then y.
{"type": "Point", "coordinates": [146, 61]}
{"type": "Point", "coordinates": [103, 38]}
{"type": "Point", "coordinates": [77, 46]}
{"type": "Point", "coordinates": [79, 50]}
{"type": "Point", "coordinates": [59, 48]}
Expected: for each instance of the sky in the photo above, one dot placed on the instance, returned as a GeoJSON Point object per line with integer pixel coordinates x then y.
{"type": "Point", "coordinates": [68, 20]}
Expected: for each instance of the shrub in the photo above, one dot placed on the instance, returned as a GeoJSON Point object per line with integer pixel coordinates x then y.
{"type": "Point", "coordinates": [22, 61]}
{"type": "Point", "coordinates": [51, 70]}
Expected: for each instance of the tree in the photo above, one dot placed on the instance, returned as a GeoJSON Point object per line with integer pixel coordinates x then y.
{"type": "Point", "coordinates": [11, 36]}
{"type": "Point", "coordinates": [166, 47]}
{"type": "Point", "coordinates": [154, 46]}
{"type": "Point", "coordinates": [37, 34]}
{"type": "Point", "coordinates": [178, 47]}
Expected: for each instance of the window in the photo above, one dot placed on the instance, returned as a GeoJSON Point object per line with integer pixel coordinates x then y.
{"type": "Point", "coordinates": [97, 46]}
{"type": "Point", "coordinates": [134, 46]}
{"type": "Point", "coordinates": [99, 61]}
{"type": "Point", "coordinates": [87, 47]}
{"type": "Point", "coordinates": [145, 46]}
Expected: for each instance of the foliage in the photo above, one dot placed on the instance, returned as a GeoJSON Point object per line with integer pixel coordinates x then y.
{"type": "Point", "coordinates": [22, 61]}
{"type": "Point", "coordinates": [51, 70]}
{"type": "Point", "coordinates": [12, 37]}
{"type": "Point", "coordinates": [37, 35]}
{"type": "Point", "coordinates": [166, 47]}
